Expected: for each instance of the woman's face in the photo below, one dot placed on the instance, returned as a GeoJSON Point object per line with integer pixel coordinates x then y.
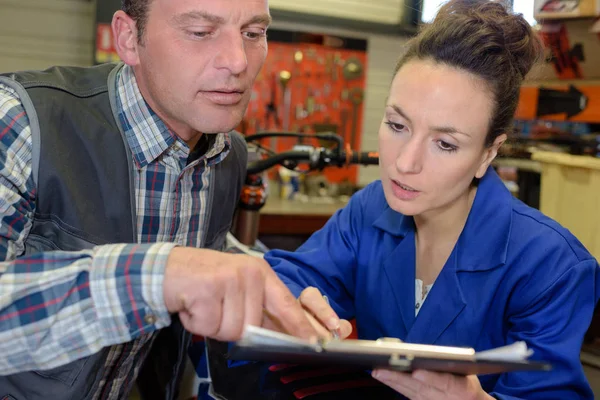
{"type": "Point", "coordinates": [431, 139]}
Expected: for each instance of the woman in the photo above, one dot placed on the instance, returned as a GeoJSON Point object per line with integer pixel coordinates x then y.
{"type": "Point", "coordinates": [438, 251]}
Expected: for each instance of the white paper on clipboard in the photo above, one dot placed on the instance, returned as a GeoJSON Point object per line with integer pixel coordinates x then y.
{"type": "Point", "coordinates": [259, 344]}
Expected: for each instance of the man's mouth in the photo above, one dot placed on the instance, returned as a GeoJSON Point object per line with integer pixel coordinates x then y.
{"type": "Point", "coordinates": [227, 91]}
{"type": "Point", "coordinates": [224, 97]}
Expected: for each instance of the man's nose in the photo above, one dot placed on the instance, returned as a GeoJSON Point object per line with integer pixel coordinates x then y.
{"type": "Point", "coordinates": [232, 55]}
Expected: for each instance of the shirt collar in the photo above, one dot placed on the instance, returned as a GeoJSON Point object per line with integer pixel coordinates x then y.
{"type": "Point", "coordinates": [147, 135]}
{"type": "Point", "coordinates": [484, 240]}
{"type": "Point", "coordinates": [219, 149]}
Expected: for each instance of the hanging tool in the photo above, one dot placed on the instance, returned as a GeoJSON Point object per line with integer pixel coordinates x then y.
{"type": "Point", "coordinates": [284, 79]}
{"type": "Point", "coordinates": [344, 94]}
{"type": "Point", "coordinates": [300, 112]}
{"type": "Point", "coordinates": [328, 65]}
{"type": "Point", "coordinates": [352, 69]}
{"type": "Point", "coordinates": [310, 102]}
{"type": "Point", "coordinates": [298, 56]}
{"type": "Point", "coordinates": [356, 96]}
{"type": "Point", "coordinates": [344, 125]}
{"type": "Point", "coordinates": [272, 107]}
{"type": "Point", "coordinates": [337, 59]}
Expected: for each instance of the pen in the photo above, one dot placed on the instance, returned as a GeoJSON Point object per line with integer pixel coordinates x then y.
{"type": "Point", "coordinates": [334, 332]}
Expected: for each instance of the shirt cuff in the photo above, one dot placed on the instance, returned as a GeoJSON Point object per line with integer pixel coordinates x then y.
{"type": "Point", "coordinates": [126, 284]}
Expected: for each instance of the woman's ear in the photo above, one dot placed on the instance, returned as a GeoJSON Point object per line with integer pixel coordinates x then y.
{"type": "Point", "coordinates": [489, 154]}
{"type": "Point", "coordinates": [125, 38]}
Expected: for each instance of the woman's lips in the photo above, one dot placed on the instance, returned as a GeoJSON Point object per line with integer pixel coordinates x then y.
{"type": "Point", "coordinates": [404, 192]}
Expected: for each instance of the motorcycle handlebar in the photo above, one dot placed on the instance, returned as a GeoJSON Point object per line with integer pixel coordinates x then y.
{"type": "Point", "coordinates": [317, 158]}
{"type": "Point", "coordinates": [262, 165]}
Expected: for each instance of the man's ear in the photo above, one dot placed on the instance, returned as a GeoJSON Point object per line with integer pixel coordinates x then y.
{"type": "Point", "coordinates": [125, 37]}
{"type": "Point", "coordinates": [489, 154]}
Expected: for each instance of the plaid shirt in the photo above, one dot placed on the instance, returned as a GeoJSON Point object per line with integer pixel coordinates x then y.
{"type": "Point", "coordinates": [56, 307]}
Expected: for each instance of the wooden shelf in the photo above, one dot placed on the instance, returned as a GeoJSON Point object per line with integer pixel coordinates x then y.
{"type": "Point", "coordinates": [519, 163]}
{"type": "Point", "coordinates": [536, 83]}
{"type": "Point", "coordinates": [278, 206]}
{"type": "Point", "coordinates": [561, 16]}
{"type": "Point", "coordinates": [286, 217]}
{"type": "Point", "coordinates": [570, 194]}
{"type": "Point", "coordinates": [567, 160]}
{"type": "Point", "coordinates": [584, 9]}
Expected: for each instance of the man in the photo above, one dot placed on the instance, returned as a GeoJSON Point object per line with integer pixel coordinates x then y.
{"type": "Point", "coordinates": [111, 178]}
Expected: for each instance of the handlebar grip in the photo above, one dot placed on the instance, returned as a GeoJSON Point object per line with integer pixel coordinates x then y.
{"type": "Point", "coordinates": [363, 158]}
{"type": "Point", "coordinates": [262, 165]}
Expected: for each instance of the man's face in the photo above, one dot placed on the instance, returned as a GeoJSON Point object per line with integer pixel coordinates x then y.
{"type": "Point", "coordinates": [198, 59]}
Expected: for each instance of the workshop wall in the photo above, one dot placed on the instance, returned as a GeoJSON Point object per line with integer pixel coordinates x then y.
{"type": "Point", "coordinates": [562, 95]}
{"type": "Point", "coordinates": [36, 34]}
{"type": "Point", "coordinates": [382, 53]}
{"type": "Point", "coordinates": [310, 83]}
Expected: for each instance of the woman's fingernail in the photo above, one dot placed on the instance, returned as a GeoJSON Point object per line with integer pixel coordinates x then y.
{"type": "Point", "coordinates": [381, 375]}
{"type": "Point", "coordinates": [334, 323]}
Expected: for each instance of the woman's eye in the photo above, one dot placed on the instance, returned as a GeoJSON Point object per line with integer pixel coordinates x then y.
{"type": "Point", "coordinates": [445, 146]}
{"type": "Point", "coordinates": [395, 127]}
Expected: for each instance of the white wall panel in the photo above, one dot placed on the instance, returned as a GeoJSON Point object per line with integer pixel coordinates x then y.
{"type": "Point", "coordinates": [36, 34]}
{"type": "Point", "coordinates": [380, 11]}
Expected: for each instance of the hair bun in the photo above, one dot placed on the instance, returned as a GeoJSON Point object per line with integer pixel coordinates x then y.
{"type": "Point", "coordinates": [507, 32]}
{"type": "Point", "coordinates": [486, 39]}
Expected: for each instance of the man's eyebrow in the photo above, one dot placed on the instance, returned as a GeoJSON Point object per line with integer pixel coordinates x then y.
{"type": "Point", "coordinates": [194, 16]}
{"type": "Point", "coordinates": [263, 19]}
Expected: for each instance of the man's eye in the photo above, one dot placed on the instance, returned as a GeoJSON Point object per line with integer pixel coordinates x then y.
{"type": "Point", "coordinates": [254, 35]}
{"type": "Point", "coordinates": [200, 34]}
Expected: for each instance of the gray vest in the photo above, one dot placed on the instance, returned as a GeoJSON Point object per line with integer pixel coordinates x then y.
{"type": "Point", "coordinates": [83, 171]}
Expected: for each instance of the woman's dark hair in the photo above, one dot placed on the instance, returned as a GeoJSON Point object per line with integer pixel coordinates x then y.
{"type": "Point", "coordinates": [138, 11]}
{"type": "Point", "coordinates": [485, 38]}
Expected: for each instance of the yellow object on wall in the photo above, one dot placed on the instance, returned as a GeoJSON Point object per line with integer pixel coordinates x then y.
{"type": "Point", "coordinates": [570, 194]}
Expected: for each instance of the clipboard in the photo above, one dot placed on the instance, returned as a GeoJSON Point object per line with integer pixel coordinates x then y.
{"type": "Point", "coordinates": [258, 344]}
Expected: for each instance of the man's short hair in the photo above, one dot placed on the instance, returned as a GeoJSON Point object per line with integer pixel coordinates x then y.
{"type": "Point", "coordinates": [138, 11]}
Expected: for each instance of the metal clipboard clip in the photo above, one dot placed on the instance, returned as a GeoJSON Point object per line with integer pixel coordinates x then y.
{"type": "Point", "coordinates": [403, 363]}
